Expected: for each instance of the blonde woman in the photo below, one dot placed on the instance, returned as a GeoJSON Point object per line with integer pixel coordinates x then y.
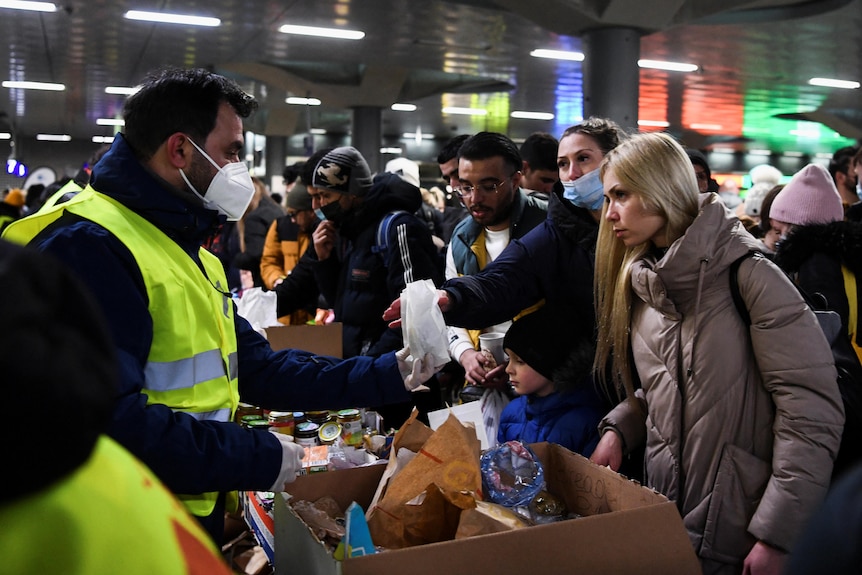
{"type": "Point", "coordinates": [740, 425]}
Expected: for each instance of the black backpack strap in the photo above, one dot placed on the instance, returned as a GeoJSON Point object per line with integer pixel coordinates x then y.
{"type": "Point", "coordinates": [741, 308]}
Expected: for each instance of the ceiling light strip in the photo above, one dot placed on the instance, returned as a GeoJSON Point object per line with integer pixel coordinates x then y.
{"type": "Point", "coordinates": [169, 18]}
{"type": "Point", "coordinates": [832, 83]}
{"type": "Point", "coordinates": [302, 101]}
{"type": "Point", "coordinates": [34, 85]}
{"type": "Point", "coordinates": [338, 33]}
{"type": "Point", "coordinates": [110, 122]}
{"type": "Point", "coordinates": [403, 107]}
{"type": "Point", "coordinates": [54, 137]}
{"type": "Point", "coordinates": [532, 115]}
{"type": "Point", "coordinates": [33, 6]}
{"type": "Point", "coordinates": [558, 55]}
{"type": "Point", "coordinates": [669, 66]}
{"type": "Point", "coordinates": [122, 90]}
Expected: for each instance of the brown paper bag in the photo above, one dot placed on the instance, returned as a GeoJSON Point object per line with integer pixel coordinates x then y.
{"type": "Point", "coordinates": [487, 518]}
{"type": "Point", "coordinates": [448, 461]}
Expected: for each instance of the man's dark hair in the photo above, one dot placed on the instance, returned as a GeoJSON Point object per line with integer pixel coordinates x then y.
{"type": "Point", "coordinates": [450, 149]}
{"type": "Point", "coordinates": [607, 133]}
{"type": "Point", "coordinates": [175, 100]}
{"type": "Point", "coordinates": [841, 160]}
{"type": "Point", "coordinates": [486, 145]}
{"type": "Point", "coordinates": [540, 151]}
{"type": "Point", "coordinates": [311, 163]}
{"type": "Point", "coordinates": [292, 172]}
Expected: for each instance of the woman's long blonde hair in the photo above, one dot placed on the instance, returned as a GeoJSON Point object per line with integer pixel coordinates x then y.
{"type": "Point", "coordinates": [656, 169]}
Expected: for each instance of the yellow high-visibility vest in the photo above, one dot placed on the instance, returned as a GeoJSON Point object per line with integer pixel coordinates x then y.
{"type": "Point", "coordinates": [111, 515]}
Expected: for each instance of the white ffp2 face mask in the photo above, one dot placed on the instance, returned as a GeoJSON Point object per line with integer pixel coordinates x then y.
{"type": "Point", "coordinates": [586, 191]}
{"type": "Point", "coordinates": [229, 192]}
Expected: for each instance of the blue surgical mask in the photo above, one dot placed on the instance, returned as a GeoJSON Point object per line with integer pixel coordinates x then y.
{"type": "Point", "coordinates": [586, 191]}
{"type": "Point", "coordinates": [320, 215]}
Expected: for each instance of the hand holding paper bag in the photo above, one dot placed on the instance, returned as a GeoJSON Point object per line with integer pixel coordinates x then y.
{"type": "Point", "coordinates": [425, 349]}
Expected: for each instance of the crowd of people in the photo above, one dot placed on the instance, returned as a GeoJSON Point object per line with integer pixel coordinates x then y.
{"type": "Point", "coordinates": [613, 263]}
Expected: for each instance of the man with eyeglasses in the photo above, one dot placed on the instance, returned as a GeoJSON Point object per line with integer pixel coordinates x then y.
{"type": "Point", "coordinates": [489, 185]}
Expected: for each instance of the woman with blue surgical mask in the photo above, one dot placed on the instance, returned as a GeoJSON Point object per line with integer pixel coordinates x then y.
{"type": "Point", "coordinates": [582, 148]}
{"type": "Point", "coordinates": [553, 263]}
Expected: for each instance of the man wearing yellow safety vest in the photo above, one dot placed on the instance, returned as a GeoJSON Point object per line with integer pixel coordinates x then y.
{"type": "Point", "coordinates": [186, 359]}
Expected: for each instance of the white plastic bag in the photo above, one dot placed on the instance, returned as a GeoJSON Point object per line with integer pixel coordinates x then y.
{"type": "Point", "coordinates": [258, 308]}
{"type": "Point", "coordinates": [422, 322]}
{"type": "Point", "coordinates": [492, 403]}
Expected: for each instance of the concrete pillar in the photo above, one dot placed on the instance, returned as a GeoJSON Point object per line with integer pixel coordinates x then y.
{"type": "Point", "coordinates": [275, 151]}
{"type": "Point", "coordinates": [368, 133]}
{"type": "Point", "coordinates": [611, 75]}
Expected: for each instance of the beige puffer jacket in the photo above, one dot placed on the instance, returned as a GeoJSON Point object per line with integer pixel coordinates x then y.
{"type": "Point", "coordinates": [741, 430]}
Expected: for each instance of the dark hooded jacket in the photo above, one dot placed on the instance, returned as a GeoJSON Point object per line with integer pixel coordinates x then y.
{"type": "Point", "coordinates": [554, 261]}
{"type": "Point", "coordinates": [359, 282]}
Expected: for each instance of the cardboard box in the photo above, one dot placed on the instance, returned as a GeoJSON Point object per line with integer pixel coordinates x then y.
{"type": "Point", "coordinates": [626, 528]}
{"type": "Point", "coordinates": [319, 339]}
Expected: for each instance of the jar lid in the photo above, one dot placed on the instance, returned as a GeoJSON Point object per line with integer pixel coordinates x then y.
{"type": "Point", "coordinates": [251, 417]}
{"type": "Point", "coordinates": [348, 413]}
{"type": "Point", "coordinates": [257, 424]}
{"type": "Point", "coordinates": [307, 428]}
{"type": "Point", "coordinates": [329, 431]}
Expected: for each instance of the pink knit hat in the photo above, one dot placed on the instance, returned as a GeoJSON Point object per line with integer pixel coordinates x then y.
{"type": "Point", "coordinates": [809, 197]}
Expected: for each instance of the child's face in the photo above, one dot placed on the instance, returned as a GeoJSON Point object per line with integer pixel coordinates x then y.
{"type": "Point", "coordinates": [525, 379]}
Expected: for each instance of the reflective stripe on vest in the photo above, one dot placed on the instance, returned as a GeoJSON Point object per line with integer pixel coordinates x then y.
{"type": "Point", "coordinates": [191, 366]}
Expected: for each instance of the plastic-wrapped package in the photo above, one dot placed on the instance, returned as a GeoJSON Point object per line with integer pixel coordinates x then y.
{"type": "Point", "coordinates": [512, 475]}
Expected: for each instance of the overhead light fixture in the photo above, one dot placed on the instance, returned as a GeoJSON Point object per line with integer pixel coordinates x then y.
{"type": "Point", "coordinates": [102, 139]}
{"type": "Point", "coordinates": [110, 122]}
{"type": "Point", "coordinates": [465, 111]}
{"type": "Point", "coordinates": [33, 6]}
{"type": "Point", "coordinates": [419, 134]}
{"type": "Point", "coordinates": [706, 126]}
{"type": "Point", "coordinates": [532, 115]}
{"type": "Point", "coordinates": [317, 131]}
{"type": "Point", "coordinates": [5, 136]}
{"type": "Point", "coordinates": [832, 83]}
{"type": "Point", "coordinates": [653, 123]}
{"type": "Point", "coordinates": [54, 137]}
{"type": "Point", "coordinates": [390, 150]}
{"type": "Point", "coordinates": [758, 152]}
{"type": "Point", "coordinates": [122, 90]}
{"type": "Point", "coordinates": [403, 107]}
{"type": "Point", "coordinates": [558, 55]}
{"type": "Point", "coordinates": [723, 151]}
{"type": "Point", "coordinates": [823, 155]}
{"type": "Point", "coordinates": [670, 66]}
{"type": "Point", "coordinates": [169, 18]}
{"type": "Point", "coordinates": [34, 85]}
{"type": "Point", "coordinates": [303, 101]}
{"type": "Point", "coordinates": [339, 33]}
{"type": "Point", "coordinates": [794, 154]}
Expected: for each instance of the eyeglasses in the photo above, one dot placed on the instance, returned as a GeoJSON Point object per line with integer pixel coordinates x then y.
{"type": "Point", "coordinates": [467, 190]}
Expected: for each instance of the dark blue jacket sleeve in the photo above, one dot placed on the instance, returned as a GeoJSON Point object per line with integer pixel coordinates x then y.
{"type": "Point", "coordinates": [193, 456]}
{"type": "Point", "coordinates": [508, 285]}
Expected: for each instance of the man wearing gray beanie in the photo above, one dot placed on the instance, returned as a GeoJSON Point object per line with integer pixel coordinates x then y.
{"type": "Point", "coordinates": [369, 245]}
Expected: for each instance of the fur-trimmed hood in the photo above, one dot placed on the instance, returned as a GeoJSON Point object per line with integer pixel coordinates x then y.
{"type": "Point", "coordinates": [842, 240]}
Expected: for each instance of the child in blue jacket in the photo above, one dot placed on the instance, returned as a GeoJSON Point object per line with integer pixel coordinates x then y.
{"type": "Point", "coordinates": [549, 368]}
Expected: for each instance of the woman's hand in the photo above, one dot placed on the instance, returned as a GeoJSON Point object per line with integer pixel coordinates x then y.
{"type": "Point", "coordinates": [609, 451]}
